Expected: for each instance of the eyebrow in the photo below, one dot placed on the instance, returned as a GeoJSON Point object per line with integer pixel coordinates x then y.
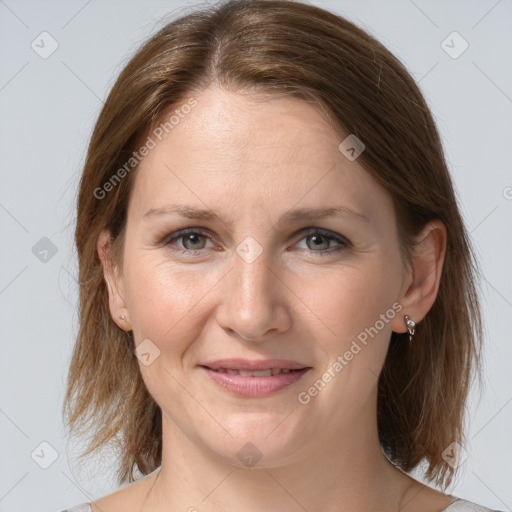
{"type": "Point", "coordinates": [293, 216]}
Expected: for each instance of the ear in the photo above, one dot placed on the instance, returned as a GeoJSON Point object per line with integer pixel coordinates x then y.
{"type": "Point", "coordinates": [421, 281]}
{"type": "Point", "coordinates": [115, 284]}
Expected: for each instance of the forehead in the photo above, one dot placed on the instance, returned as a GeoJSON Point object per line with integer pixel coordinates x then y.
{"type": "Point", "coordinates": [249, 152]}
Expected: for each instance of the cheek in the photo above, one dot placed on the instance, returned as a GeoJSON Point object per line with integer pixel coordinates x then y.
{"type": "Point", "coordinates": [166, 301]}
{"type": "Point", "coordinates": [357, 307]}
{"type": "Point", "coordinates": [166, 308]}
{"type": "Point", "coordinates": [350, 299]}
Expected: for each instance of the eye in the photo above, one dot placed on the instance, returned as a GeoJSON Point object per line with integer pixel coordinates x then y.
{"type": "Point", "coordinates": [191, 239]}
{"type": "Point", "coordinates": [317, 241]}
{"type": "Point", "coordinates": [321, 239]}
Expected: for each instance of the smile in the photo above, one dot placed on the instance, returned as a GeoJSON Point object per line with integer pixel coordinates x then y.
{"type": "Point", "coordinates": [254, 382]}
{"type": "Point", "coordinates": [257, 373]}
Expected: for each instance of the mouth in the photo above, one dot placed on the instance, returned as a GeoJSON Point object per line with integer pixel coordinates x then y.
{"type": "Point", "coordinates": [256, 373]}
{"type": "Point", "coordinates": [254, 378]}
{"type": "Point", "coordinates": [255, 365]}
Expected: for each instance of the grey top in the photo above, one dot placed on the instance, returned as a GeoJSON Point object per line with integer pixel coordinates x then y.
{"type": "Point", "coordinates": [459, 505]}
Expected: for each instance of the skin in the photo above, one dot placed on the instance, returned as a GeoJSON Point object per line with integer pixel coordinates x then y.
{"type": "Point", "coordinates": [253, 161]}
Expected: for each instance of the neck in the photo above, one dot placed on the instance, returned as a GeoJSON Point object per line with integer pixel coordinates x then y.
{"type": "Point", "coordinates": [347, 472]}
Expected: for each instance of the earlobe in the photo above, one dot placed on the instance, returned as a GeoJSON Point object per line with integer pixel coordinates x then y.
{"type": "Point", "coordinates": [116, 296]}
{"type": "Point", "coordinates": [425, 273]}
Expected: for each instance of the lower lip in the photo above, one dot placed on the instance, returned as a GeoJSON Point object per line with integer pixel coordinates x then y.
{"type": "Point", "coordinates": [254, 386]}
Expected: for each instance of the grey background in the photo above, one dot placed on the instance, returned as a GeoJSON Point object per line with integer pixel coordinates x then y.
{"type": "Point", "coordinates": [47, 110]}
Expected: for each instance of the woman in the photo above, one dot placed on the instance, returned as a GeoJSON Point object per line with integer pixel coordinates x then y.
{"type": "Point", "coordinates": [278, 300]}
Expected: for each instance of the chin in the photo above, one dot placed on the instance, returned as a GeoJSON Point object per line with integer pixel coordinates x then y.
{"type": "Point", "coordinates": [263, 441]}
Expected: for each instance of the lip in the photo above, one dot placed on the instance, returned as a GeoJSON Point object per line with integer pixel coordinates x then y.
{"type": "Point", "coordinates": [248, 365]}
{"type": "Point", "coordinates": [254, 386]}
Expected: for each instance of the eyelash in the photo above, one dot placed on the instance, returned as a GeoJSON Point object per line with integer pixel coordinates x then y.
{"type": "Point", "coordinates": [344, 243]}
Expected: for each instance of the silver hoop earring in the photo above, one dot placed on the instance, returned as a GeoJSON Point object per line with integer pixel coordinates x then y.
{"type": "Point", "coordinates": [411, 325]}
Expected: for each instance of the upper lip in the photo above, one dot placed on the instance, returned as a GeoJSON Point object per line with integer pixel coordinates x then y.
{"type": "Point", "coordinates": [248, 365]}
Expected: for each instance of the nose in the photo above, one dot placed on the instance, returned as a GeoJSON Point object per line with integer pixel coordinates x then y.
{"type": "Point", "coordinates": [255, 300]}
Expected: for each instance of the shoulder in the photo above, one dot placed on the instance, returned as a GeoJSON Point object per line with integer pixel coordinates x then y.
{"type": "Point", "coordinates": [83, 507]}
{"type": "Point", "coordinates": [129, 498]}
{"type": "Point", "coordinates": [461, 505]}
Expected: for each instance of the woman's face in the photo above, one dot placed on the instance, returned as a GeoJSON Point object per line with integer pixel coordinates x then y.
{"type": "Point", "coordinates": [259, 280]}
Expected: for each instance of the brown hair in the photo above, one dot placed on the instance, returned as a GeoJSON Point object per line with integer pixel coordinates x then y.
{"type": "Point", "coordinates": [292, 48]}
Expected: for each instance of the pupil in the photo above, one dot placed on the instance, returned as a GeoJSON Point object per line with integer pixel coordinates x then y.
{"type": "Point", "coordinates": [316, 238]}
{"type": "Point", "coordinates": [192, 237]}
